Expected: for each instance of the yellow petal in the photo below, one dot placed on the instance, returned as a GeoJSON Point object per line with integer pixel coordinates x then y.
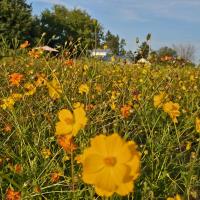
{"type": "Point", "coordinates": [80, 116]}
{"type": "Point", "coordinates": [125, 188]}
{"type": "Point", "coordinates": [98, 145]}
{"type": "Point", "coordinates": [65, 115]}
{"type": "Point", "coordinates": [120, 172]}
{"type": "Point", "coordinates": [104, 180]}
{"type": "Point", "coordinates": [102, 192]}
{"type": "Point", "coordinates": [63, 129]}
{"type": "Point", "coordinates": [93, 163]}
{"type": "Point", "coordinates": [113, 142]}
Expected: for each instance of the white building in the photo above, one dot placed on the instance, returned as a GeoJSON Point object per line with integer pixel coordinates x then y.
{"type": "Point", "coordinates": [100, 52]}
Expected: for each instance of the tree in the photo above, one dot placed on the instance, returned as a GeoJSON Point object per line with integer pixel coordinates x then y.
{"type": "Point", "coordinates": [16, 20]}
{"type": "Point", "coordinates": [166, 51]}
{"type": "Point", "coordinates": [186, 51]}
{"type": "Point", "coordinates": [122, 44]}
{"type": "Point", "coordinates": [54, 24]}
{"type": "Point", "coordinates": [143, 49]}
{"type": "Point", "coordinates": [114, 43]}
{"type": "Point", "coordinates": [62, 24]}
{"type": "Point", "coordinates": [130, 55]}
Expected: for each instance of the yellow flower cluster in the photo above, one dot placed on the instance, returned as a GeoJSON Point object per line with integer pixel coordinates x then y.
{"type": "Point", "coordinates": [83, 89]}
{"type": "Point", "coordinates": [171, 108]}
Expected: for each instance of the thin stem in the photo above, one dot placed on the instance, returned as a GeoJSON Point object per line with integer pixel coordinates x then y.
{"type": "Point", "coordinates": [72, 170]}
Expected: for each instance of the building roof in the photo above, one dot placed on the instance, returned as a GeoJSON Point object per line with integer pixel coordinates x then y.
{"type": "Point", "coordinates": [47, 48]}
{"type": "Point", "coordinates": [101, 51]}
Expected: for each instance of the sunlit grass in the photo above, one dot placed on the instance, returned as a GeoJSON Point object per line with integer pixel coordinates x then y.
{"type": "Point", "coordinates": [116, 98]}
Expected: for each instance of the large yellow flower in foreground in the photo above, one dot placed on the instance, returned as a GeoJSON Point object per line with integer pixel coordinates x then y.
{"type": "Point", "coordinates": [111, 165]}
{"type": "Point", "coordinates": [172, 109]}
{"type": "Point", "coordinates": [70, 123]}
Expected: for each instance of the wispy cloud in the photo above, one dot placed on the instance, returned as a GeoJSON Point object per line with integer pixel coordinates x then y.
{"type": "Point", "coordinates": [134, 10]}
{"type": "Point", "coordinates": [51, 1]}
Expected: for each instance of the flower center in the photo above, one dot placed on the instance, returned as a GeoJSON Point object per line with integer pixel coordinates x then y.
{"type": "Point", "coordinates": [69, 121]}
{"type": "Point", "coordinates": [110, 161]}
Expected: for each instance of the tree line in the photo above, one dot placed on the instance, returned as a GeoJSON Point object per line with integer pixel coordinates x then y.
{"type": "Point", "coordinates": [58, 25]}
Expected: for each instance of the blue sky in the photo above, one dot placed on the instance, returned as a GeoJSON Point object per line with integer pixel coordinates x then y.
{"type": "Point", "coordinates": [169, 21]}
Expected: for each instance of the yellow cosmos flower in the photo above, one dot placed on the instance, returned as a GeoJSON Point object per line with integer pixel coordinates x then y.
{"type": "Point", "coordinates": [111, 165]}
{"type": "Point", "coordinates": [54, 89]}
{"type": "Point", "coordinates": [177, 197]}
{"type": "Point", "coordinates": [7, 103]}
{"type": "Point", "coordinates": [46, 153]}
{"type": "Point", "coordinates": [16, 96]}
{"type": "Point", "coordinates": [172, 109]}
{"type": "Point", "coordinates": [31, 89]}
{"type": "Point", "coordinates": [83, 89]}
{"type": "Point", "coordinates": [197, 122]}
{"type": "Point", "coordinates": [85, 67]}
{"type": "Point", "coordinates": [69, 123]}
{"type": "Point", "coordinates": [158, 99]}
{"type": "Point", "coordinates": [113, 106]}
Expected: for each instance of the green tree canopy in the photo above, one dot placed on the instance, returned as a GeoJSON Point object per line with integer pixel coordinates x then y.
{"type": "Point", "coordinates": [61, 25]}
{"type": "Point", "coordinates": [16, 20]}
{"type": "Point", "coordinates": [166, 51]}
{"type": "Point", "coordinates": [115, 44]}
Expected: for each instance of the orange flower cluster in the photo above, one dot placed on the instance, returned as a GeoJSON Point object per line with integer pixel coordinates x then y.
{"type": "Point", "coordinates": [34, 53]}
{"type": "Point", "coordinates": [125, 111]}
{"type": "Point", "coordinates": [25, 44]}
{"type": "Point", "coordinates": [15, 79]}
{"type": "Point", "coordinates": [12, 195]}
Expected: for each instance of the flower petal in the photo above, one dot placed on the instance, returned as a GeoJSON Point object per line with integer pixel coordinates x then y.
{"type": "Point", "coordinates": [65, 115]}
{"type": "Point", "coordinates": [63, 129]}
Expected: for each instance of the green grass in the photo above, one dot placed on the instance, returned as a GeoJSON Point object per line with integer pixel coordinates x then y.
{"type": "Point", "coordinates": [167, 167]}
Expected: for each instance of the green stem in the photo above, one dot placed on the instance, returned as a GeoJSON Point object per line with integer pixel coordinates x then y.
{"type": "Point", "coordinates": [72, 171]}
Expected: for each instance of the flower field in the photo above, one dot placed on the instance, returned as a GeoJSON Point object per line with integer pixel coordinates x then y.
{"type": "Point", "coordinates": [88, 129]}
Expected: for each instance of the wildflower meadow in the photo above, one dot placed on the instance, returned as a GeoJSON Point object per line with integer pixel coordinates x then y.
{"type": "Point", "coordinates": [89, 129]}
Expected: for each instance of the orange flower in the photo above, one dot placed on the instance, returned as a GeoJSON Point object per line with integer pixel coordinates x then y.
{"type": "Point", "coordinates": [55, 176]}
{"type": "Point", "coordinates": [18, 168]}
{"type": "Point", "coordinates": [66, 142]}
{"type": "Point", "coordinates": [12, 195]}
{"type": "Point", "coordinates": [125, 111]}
{"type": "Point", "coordinates": [7, 128]}
{"type": "Point", "coordinates": [69, 62]}
{"type": "Point", "coordinates": [35, 53]}
{"type": "Point", "coordinates": [15, 79]}
{"type": "Point", "coordinates": [24, 45]}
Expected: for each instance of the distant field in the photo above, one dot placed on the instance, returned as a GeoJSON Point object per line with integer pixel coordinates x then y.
{"type": "Point", "coordinates": [157, 107]}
